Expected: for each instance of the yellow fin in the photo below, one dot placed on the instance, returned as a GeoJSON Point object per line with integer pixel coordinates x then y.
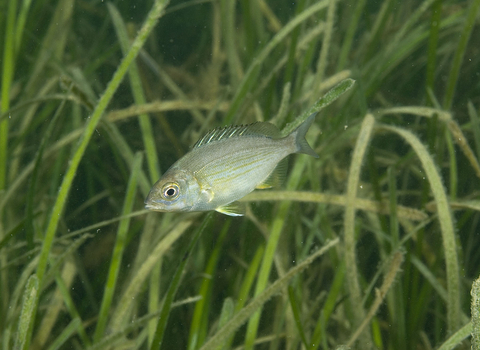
{"type": "Point", "coordinates": [276, 177]}
{"type": "Point", "coordinates": [233, 209]}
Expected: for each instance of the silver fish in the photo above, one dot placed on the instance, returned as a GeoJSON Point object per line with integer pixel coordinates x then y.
{"type": "Point", "coordinates": [225, 165]}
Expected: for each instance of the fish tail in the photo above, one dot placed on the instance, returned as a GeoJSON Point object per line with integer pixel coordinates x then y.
{"type": "Point", "coordinates": [300, 141]}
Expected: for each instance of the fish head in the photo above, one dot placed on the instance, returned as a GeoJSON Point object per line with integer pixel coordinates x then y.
{"type": "Point", "coordinates": [177, 190]}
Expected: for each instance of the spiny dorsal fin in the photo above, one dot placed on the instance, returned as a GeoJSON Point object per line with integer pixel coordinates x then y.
{"type": "Point", "coordinates": [263, 129]}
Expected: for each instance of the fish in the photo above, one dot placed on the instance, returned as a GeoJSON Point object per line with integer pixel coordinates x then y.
{"type": "Point", "coordinates": [225, 165]}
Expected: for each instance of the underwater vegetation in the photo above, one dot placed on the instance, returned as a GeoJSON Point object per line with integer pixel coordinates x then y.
{"type": "Point", "coordinates": [373, 245]}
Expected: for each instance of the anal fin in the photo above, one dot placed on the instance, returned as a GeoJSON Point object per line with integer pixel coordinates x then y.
{"type": "Point", "coordinates": [233, 209]}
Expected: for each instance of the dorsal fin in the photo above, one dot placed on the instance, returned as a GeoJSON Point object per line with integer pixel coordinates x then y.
{"type": "Point", "coordinates": [264, 129]}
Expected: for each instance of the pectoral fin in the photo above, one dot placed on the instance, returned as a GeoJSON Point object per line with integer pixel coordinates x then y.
{"type": "Point", "coordinates": [207, 195]}
{"type": "Point", "coordinates": [233, 209]}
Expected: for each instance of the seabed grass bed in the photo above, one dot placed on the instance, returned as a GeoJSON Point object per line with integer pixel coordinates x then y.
{"type": "Point", "coordinates": [375, 245]}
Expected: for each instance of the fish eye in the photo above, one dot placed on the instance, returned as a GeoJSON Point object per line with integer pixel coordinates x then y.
{"type": "Point", "coordinates": [170, 191]}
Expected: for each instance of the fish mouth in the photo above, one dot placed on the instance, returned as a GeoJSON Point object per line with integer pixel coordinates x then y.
{"type": "Point", "coordinates": [149, 206]}
{"type": "Point", "coordinates": [152, 206]}
{"type": "Point", "coordinates": [150, 202]}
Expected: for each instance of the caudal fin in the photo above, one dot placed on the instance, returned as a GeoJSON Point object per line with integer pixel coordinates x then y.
{"type": "Point", "coordinates": [300, 141]}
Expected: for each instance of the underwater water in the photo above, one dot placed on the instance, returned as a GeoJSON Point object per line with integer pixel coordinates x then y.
{"type": "Point", "coordinates": [373, 245]}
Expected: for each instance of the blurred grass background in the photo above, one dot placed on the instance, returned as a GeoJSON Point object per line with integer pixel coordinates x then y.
{"type": "Point", "coordinates": [373, 246]}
